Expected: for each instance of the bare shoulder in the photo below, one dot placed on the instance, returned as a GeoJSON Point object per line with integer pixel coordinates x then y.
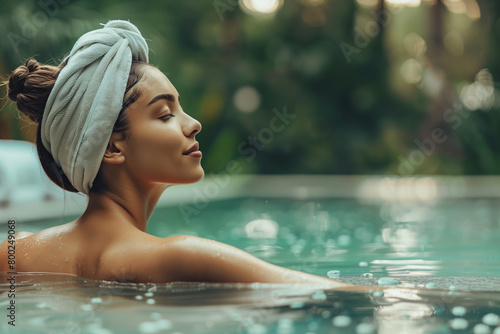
{"type": "Point", "coordinates": [146, 258]}
{"type": "Point", "coordinates": [9, 244]}
{"type": "Point", "coordinates": [13, 238]}
{"type": "Point", "coordinates": [136, 257]}
{"type": "Point", "coordinates": [24, 236]}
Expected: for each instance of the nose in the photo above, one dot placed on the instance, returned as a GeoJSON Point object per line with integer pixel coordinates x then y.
{"type": "Point", "coordinates": [194, 127]}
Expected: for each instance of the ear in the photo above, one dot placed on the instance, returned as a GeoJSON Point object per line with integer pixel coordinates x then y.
{"type": "Point", "coordinates": [114, 153]}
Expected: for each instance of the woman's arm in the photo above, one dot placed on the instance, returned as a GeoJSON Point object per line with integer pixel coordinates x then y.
{"type": "Point", "coordinates": [198, 259]}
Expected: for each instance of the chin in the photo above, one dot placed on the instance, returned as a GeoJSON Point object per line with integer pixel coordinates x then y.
{"type": "Point", "coordinates": [200, 176]}
{"type": "Point", "coordinates": [195, 177]}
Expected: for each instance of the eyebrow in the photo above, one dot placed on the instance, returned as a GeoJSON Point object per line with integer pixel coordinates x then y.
{"type": "Point", "coordinates": [168, 97]}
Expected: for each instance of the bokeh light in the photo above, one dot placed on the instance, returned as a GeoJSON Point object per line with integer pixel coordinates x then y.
{"type": "Point", "coordinates": [469, 7]}
{"type": "Point", "coordinates": [408, 3]}
{"type": "Point", "coordinates": [256, 7]}
{"type": "Point", "coordinates": [481, 93]}
{"type": "Point", "coordinates": [415, 44]}
{"type": "Point", "coordinates": [412, 71]}
{"type": "Point", "coordinates": [246, 99]}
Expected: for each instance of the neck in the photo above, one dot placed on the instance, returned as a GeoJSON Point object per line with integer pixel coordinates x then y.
{"type": "Point", "coordinates": [131, 206]}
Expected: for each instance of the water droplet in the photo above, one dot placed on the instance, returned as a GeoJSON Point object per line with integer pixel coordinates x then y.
{"type": "Point", "coordinates": [481, 329]}
{"type": "Point", "coordinates": [138, 297]}
{"type": "Point", "coordinates": [459, 311]}
{"type": "Point", "coordinates": [458, 323]}
{"type": "Point", "coordinates": [296, 305]}
{"type": "Point", "coordinates": [326, 314]}
{"type": "Point", "coordinates": [96, 300]}
{"type": "Point", "coordinates": [387, 281]}
{"type": "Point", "coordinates": [367, 275]}
{"type": "Point", "coordinates": [147, 327]}
{"type": "Point", "coordinates": [86, 307]}
{"type": "Point", "coordinates": [378, 293]}
{"type": "Point", "coordinates": [341, 321]}
{"type": "Point", "coordinates": [163, 324]}
{"type": "Point", "coordinates": [333, 274]}
{"type": "Point", "coordinates": [148, 294]}
{"type": "Point", "coordinates": [452, 287]}
{"type": "Point", "coordinates": [344, 240]}
{"type": "Point", "coordinates": [151, 301]}
{"type": "Point", "coordinates": [319, 295]}
{"type": "Point", "coordinates": [430, 285]}
{"type": "Point", "coordinates": [364, 328]}
{"type": "Point", "coordinates": [363, 264]}
{"type": "Point", "coordinates": [41, 305]}
{"type": "Point", "coordinates": [255, 329]}
{"type": "Point", "coordinates": [491, 319]}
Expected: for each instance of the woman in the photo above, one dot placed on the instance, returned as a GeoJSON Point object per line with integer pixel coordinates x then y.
{"type": "Point", "coordinates": [111, 126]}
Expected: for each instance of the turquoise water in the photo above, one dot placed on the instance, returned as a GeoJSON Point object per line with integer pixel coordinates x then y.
{"type": "Point", "coordinates": [443, 258]}
{"type": "Point", "coordinates": [459, 238]}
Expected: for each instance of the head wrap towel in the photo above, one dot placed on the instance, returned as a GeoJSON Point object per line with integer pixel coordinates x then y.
{"type": "Point", "coordinates": [87, 97]}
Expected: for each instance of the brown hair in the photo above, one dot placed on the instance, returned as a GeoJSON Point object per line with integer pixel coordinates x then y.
{"type": "Point", "coordinates": [30, 85]}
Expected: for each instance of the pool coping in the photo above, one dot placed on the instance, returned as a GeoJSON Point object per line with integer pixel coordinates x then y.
{"type": "Point", "coordinates": [364, 188]}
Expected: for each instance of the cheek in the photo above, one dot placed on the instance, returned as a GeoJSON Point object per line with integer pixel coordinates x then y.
{"type": "Point", "coordinates": [154, 152]}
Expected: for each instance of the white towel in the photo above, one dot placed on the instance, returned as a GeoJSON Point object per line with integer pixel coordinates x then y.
{"type": "Point", "coordinates": [87, 97]}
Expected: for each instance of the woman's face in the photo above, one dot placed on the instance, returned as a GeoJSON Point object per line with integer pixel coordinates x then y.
{"type": "Point", "coordinates": [161, 134]}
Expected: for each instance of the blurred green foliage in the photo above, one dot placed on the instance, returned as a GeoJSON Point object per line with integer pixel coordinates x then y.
{"type": "Point", "coordinates": [363, 113]}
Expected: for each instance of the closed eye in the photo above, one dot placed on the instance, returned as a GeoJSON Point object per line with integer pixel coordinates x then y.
{"type": "Point", "coordinates": [167, 117]}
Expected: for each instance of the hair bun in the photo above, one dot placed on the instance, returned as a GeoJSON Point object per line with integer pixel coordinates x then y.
{"type": "Point", "coordinates": [18, 78]}
{"type": "Point", "coordinates": [30, 85]}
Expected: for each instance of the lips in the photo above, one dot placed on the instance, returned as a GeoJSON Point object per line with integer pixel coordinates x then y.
{"type": "Point", "coordinates": [193, 148]}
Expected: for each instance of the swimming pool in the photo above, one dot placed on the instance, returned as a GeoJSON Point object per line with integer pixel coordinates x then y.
{"type": "Point", "coordinates": [440, 252]}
